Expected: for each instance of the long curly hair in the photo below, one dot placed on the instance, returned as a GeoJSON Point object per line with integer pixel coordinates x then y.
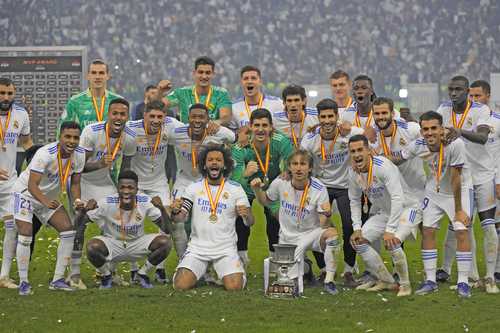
{"type": "Point", "coordinates": [228, 160]}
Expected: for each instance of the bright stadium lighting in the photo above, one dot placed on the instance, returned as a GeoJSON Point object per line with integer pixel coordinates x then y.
{"type": "Point", "coordinates": [138, 61]}
{"type": "Point", "coordinates": [117, 67]}
{"type": "Point", "coordinates": [403, 93]}
{"type": "Point", "coordinates": [313, 93]}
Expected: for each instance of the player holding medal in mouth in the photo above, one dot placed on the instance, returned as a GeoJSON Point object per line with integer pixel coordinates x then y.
{"type": "Point", "coordinates": [214, 202]}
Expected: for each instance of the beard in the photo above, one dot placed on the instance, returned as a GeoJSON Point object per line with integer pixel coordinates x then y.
{"type": "Point", "coordinates": [6, 105]}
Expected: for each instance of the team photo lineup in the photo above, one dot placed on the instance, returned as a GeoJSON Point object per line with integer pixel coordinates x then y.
{"type": "Point", "coordinates": [193, 161]}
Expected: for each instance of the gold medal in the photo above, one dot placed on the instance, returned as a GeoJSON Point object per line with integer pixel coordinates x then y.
{"type": "Point", "coordinates": [385, 146]}
{"type": "Point", "coordinates": [63, 171]}
{"type": "Point", "coordinates": [369, 180]}
{"type": "Point", "coordinates": [3, 131]}
{"type": "Point", "coordinates": [365, 206]}
{"type": "Point", "coordinates": [437, 170]}
{"type": "Point", "coordinates": [112, 152]}
{"type": "Point", "coordinates": [357, 120]}
{"type": "Point", "coordinates": [213, 218]}
{"type": "Point", "coordinates": [266, 181]}
{"type": "Point", "coordinates": [214, 202]}
{"type": "Point", "coordinates": [259, 105]}
{"type": "Point", "coordinates": [194, 152]}
{"type": "Point", "coordinates": [263, 167]}
{"type": "Point", "coordinates": [324, 160]}
{"type": "Point", "coordinates": [154, 147]}
{"type": "Point", "coordinates": [462, 118]}
{"type": "Point", "coordinates": [124, 244]}
{"type": "Point", "coordinates": [295, 139]}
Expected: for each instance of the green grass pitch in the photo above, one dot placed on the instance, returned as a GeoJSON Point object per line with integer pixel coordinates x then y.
{"type": "Point", "coordinates": [211, 309]}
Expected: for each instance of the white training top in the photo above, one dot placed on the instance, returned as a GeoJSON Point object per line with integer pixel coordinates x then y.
{"type": "Point", "coordinates": [45, 163]}
{"type": "Point", "coordinates": [291, 224]}
{"type": "Point", "coordinates": [151, 169]}
{"type": "Point", "coordinates": [479, 159]}
{"type": "Point", "coordinates": [19, 124]}
{"type": "Point", "coordinates": [334, 171]}
{"type": "Point", "coordinates": [454, 155]}
{"type": "Point", "coordinates": [93, 140]}
{"type": "Point", "coordinates": [219, 238]}
{"type": "Point", "coordinates": [131, 224]}
{"type": "Point", "coordinates": [240, 114]}
{"type": "Point", "coordinates": [385, 193]}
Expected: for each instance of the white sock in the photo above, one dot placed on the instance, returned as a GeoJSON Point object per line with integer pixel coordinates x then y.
{"type": "Point", "coordinates": [23, 256]}
{"type": "Point", "coordinates": [401, 265]}
{"type": "Point", "coordinates": [474, 273]}
{"type": "Point", "coordinates": [104, 269]}
{"type": "Point", "coordinates": [76, 261]}
{"type": "Point", "coordinates": [146, 268]}
{"type": "Point", "coordinates": [430, 258]}
{"type": "Point", "coordinates": [244, 257]}
{"type": "Point", "coordinates": [9, 248]}
{"type": "Point", "coordinates": [332, 249]}
{"type": "Point", "coordinates": [66, 240]}
{"type": "Point", "coordinates": [490, 244]}
{"type": "Point", "coordinates": [348, 268]}
{"type": "Point", "coordinates": [450, 247]}
{"type": "Point", "coordinates": [374, 263]}
{"type": "Point", "coordinates": [161, 265]}
{"type": "Point", "coordinates": [497, 269]}
{"type": "Point", "coordinates": [464, 260]}
{"type": "Point", "coordinates": [134, 266]}
{"type": "Point", "coordinates": [180, 238]}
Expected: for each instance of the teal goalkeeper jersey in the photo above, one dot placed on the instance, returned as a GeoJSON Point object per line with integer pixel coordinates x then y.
{"type": "Point", "coordinates": [80, 108]}
{"type": "Point", "coordinates": [183, 98]}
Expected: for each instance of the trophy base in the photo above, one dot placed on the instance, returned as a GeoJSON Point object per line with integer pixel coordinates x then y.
{"type": "Point", "coordinates": [283, 291]}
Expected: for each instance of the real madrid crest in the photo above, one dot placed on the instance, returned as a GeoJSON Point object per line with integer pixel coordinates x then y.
{"type": "Point", "coordinates": [138, 216]}
{"type": "Point", "coordinates": [225, 195]}
{"type": "Point", "coordinates": [343, 145]}
{"type": "Point", "coordinates": [469, 121]}
{"type": "Point", "coordinates": [16, 124]}
{"type": "Point", "coordinates": [402, 142]}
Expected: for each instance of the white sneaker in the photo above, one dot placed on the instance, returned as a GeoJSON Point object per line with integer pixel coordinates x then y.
{"type": "Point", "coordinates": [367, 285]}
{"type": "Point", "coordinates": [76, 283]}
{"type": "Point", "coordinates": [8, 283]}
{"type": "Point", "coordinates": [490, 286]}
{"type": "Point", "coordinates": [404, 291]}
{"type": "Point", "coordinates": [383, 286]}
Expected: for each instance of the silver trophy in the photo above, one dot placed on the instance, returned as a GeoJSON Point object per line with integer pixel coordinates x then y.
{"type": "Point", "coordinates": [281, 262]}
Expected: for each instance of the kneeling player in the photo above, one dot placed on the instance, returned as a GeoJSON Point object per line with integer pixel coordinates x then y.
{"type": "Point", "coordinates": [214, 202]}
{"type": "Point", "coordinates": [121, 218]}
{"type": "Point", "coordinates": [378, 180]}
{"type": "Point", "coordinates": [304, 212]}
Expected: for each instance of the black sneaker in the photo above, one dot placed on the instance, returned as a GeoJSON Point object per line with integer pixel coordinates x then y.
{"type": "Point", "coordinates": [442, 275]}
{"type": "Point", "coordinates": [161, 276]}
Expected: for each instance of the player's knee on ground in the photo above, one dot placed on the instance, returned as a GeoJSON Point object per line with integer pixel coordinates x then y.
{"type": "Point", "coordinates": [233, 282]}
{"type": "Point", "coordinates": [97, 252]}
{"type": "Point", "coordinates": [184, 279]}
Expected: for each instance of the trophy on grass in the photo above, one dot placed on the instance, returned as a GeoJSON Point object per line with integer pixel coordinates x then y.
{"type": "Point", "coordinates": [281, 262]}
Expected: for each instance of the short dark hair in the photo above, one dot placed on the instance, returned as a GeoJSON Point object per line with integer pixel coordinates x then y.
{"type": "Point", "coordinates": [5, 81]}
{"type": "Point", "coordinates": [261, 113]}
{"type": "Point", "coordinates": [294, 89]}
{"type": "Point", "coordinates": [327, 104]}
{"type": "Point", "coordinates": [154, 105]}
{"type": "Point", "coordinates": [430, 115]}
{"type": "Point", "coordinates": [204, 60]}
{"type": "Point", "coordinates": [69, 125]}
{"type": "Point", "coordinates": [249, 68]}
{"type": "Point", "coordinates": [300, 152]}
{"type": "Point", "coordinates": [364, 78]}
{"type": "Point", "coordinates": [339, 74]}
{"type": "Point", "coordinates": [99, 62]}
{"type": "Point", "coordinates": [384, 100]}
{"type": "Point", "coordinates": [198, 106]}
{"type": "Point", "coordinates": [119, 101]}
{"type": "Point", "coordinates": [359, 137]}
{"type": "Point", "coordinates": [30, 152]}
{"type": "Point", "coordinates": [150, 87]}
{"type": "Point", "coordinates": [479, 84]}
{"type": "Point", "coordinates": [228, 159]}
{"type": "Point", "coordinates": [461, 78]}
{"type": "Point", "coordinates": [128, 174]}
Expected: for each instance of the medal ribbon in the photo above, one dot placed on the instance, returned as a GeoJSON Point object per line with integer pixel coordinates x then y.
{"type": "Point", "coordinates": [259, 105]}
{"type": "Point", "coordinates": [3, 131]}
{"type": "Point", "coordinates": [437, 173]}
{"type": "Point", "coordinates": [108, 144]}
{"type": "Point", "coordinates": [369, 181]}
{"type": "Point", "coordinates": [385, 147]}
{"type": "Point", "coordinates": [263, 167]}
{"type": "Point", "coordinates": [303, 199]}
{"type": "Point", "coordinates": [357, 120]}
{"type": "Point", "coordinates": [99, 114]}
{"type": "Point", "coordinates": [193, 150]}
{"type": "Point", "coordinates": [207, 100]}
{"type": "Point", "coordinates": [157, 141]}
{"type": "Point", "coordinates": [63, 171]}
{"type": "Point", "coordinates": [462, 118]}
{"type": "Point", "coordinates": [349, 102]}
{"type": "Point", "coordinates": [294, 137]}
{"type": "Point", "coordinates": [332, 145]}
{"type": "Point", "coordinates": [214, 203]}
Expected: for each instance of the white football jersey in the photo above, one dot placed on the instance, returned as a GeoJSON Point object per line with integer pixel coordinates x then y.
{"type": "Point", "coordinates": [385, 193]}
{"type": "Point", "coordinates": [146, 163]}
{"type": "Point", "coordinates": [241, 117]}
{"type": "Point", "coordinates": [412, 171]}
{"type": "Point", "coordinates": [93, 140]}
{"type": "Point", "coordinates": [281, 123]}
{"type": "Point", "coordinates": [454, 155]}
{"type": "Point", "coordinates": [493, 144]}
{"type": "Point", "coordinates": [182, 142]}
{"type": "Point", "coordinates": [479, 159]}
{"type": "Point", "coordinates": [124, 225]}
{"type": "Point", "coordinates": [317, 201]}
{"type": "Point", "coordinates": [19, 124]}
{"type": "Point", "coordinates": [45, 163]}
{"type": "Point", "coordinates": [349, 115]}
{"type": "Point", "coordinates": [219, 237]}
{"type": "Point", "coordinates": [333, 172]}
